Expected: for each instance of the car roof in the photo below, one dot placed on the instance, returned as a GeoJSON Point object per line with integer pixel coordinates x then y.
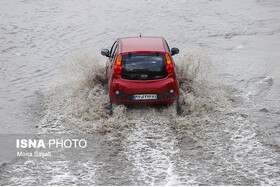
{"type": "Point", "coordinates": [142, 43]}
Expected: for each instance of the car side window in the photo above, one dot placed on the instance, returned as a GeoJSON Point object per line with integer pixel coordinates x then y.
{"type": "Point", "coordinates": [167, 46]}
{"type": "Point", "coordinates": [112, 48]}
{"type": "Point", "coordinates": [114, 53]}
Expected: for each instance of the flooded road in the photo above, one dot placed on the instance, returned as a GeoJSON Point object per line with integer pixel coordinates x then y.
{"type": "Point", "coordinates": [53, 82]}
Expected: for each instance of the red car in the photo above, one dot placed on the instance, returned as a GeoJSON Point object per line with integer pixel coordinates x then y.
{"type": "Point", "coordinates": [140, 70]}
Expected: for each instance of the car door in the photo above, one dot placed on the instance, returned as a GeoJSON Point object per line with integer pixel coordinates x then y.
{"type": "Point", "coordinates": [111, 60]}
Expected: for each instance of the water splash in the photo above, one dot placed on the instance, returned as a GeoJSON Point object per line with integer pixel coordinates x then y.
{"type": "Point", "coordinates": [79, 100]}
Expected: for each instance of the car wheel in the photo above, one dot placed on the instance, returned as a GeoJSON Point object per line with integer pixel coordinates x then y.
{"type": "Point", "coordinates": [111, 108]}
{"type": "Point", "coordinates": [178, 107]}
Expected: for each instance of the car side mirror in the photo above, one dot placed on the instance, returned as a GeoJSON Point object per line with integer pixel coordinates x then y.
{"type": "Point", "coordinates": [174, 51]}
{"type": "Point", "coordinates": [105, 52]}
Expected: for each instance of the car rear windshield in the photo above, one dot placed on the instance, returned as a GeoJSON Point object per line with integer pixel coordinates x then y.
{"type": "Point", "coordinates": [144, 66]}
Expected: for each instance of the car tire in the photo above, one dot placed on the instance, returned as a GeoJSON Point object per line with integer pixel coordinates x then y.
{"type": "Point", "coordinates": [112, 106]}
{"type": "Point", "coordinates": [178, 107]}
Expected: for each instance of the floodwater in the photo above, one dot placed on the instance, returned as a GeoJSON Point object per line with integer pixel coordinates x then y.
{"type": "Point", "coordinates": [53, 82]}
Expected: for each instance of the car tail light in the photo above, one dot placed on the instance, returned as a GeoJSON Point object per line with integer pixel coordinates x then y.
{"type": "Point", "coordinates": [123, 97]}
{"type": "Point", "coordinates": [169, 65]}
{"type": "Point", "coordinates": [165, 96]}
{"type": "Point", "coordinates": [118, 65]}
{"type": "Point", "coordinates": [171, 91]}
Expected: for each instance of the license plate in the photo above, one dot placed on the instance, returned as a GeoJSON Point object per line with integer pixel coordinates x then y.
{"type": "Point", "coordinates": [145, 97]}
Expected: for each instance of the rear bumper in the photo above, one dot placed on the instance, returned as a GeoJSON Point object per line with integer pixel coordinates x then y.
{"type": "Point", "coordinates": [129, 88]}
{"type": "Point", "coordinates": [165, 98]}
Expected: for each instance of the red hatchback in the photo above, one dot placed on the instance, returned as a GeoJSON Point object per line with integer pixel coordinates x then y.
{"type": "Point", "coordinates": [140, 70]}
